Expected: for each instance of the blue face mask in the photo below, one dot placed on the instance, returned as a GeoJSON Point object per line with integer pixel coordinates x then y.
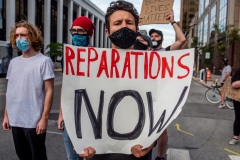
{"type": "Point", "coordinates": [22, 44]}
{"type": "Point", "coordinates": [79, 40]}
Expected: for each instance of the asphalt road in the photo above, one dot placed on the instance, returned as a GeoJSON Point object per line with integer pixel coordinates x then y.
{"type": "Point", "coordinates": [201, 129]}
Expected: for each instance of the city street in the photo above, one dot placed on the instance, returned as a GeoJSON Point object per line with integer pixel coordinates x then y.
{"type": "Point", "coordinates": [201, 131]}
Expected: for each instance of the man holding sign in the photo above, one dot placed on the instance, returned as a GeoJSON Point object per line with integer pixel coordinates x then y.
{"type": "Point", "coordinates": [119, 94]}
{"type": "Point", "coordinates": [82, 31]}
{"type": "Point", "coordinates": [121, 27]}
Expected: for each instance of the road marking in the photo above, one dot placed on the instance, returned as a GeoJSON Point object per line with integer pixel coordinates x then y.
{"type": "Point", "coordinates": [54, 132]}
{"type": "Point", "coordinates": [232, 157]}
{"type": "Point", "coordinates": [230, 151]}
{"type": "Point", "coordinates": [177, 154]}
{"type": "Point", "coordinates": [178, 128]}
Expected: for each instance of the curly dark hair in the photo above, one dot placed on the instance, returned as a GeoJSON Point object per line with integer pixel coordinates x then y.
{"type": "Point", "coordinates": [121, 5]}
{"type": "Point", "coordinates": [34, 35]}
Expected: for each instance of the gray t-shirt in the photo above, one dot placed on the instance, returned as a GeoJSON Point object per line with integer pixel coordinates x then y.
{"type": "Point", "coordinates": [25, 91]}
{"type": "Point", "coordinates": [225, 70]}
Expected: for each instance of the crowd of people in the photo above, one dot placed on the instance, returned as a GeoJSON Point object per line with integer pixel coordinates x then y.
{"type": "Point", "coordinates": [27, 113]}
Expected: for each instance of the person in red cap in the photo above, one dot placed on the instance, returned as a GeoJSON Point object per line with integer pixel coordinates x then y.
{"type": "Point", "coordinates": [82, 30]}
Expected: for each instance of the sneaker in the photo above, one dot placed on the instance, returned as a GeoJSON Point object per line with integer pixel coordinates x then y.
{"type": "Point", "coordinates": [233, 141]}
{"type": "Point", "coordinates": [221, 106]}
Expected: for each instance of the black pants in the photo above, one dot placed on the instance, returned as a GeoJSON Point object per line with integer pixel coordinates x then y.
{"type": "Point", "coordinates": [29, 145]}
{"type": "Point", "coordinates": [236, 124]}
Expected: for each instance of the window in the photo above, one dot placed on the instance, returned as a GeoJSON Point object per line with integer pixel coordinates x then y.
{"type": "Point", "coordinates": [222, 15]}
{"type": "Point", "coordinates": [205, 30]}
{"type": "Point", "coordinates": [213, 18]}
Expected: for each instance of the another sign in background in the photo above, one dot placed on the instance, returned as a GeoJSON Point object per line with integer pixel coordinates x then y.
{"type": "Point", "coordinates": [115, 99]}
{"type": "Point", "coordinates": [155, 11]}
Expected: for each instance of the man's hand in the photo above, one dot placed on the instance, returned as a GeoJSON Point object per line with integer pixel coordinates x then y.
{"type": "Point", "coordinates": [5, 125]}
{"type": "Point", "coordinates": [170, 17]}
{"type": "Point", "coordinates": [42, 126]}
{"type": "Point", "coordinates": [138, 151]}
{"type": "Point", "coordinates": [89, 152]}
{"type": "Point", "coordinates": [60, 122]}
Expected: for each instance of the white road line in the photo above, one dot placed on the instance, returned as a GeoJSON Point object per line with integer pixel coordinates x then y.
{"type": "Point", "coordinates": [233, 157]}
{"type": "Point", "coordinates": [54, 132]}
{"type": "Point", "coordinates": [177, 154]}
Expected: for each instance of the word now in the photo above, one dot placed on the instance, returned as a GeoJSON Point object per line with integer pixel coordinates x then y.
{"type": "Point", "coordinates": [131, 64]}
{"type": "Point", "coordinates": [96, 121]}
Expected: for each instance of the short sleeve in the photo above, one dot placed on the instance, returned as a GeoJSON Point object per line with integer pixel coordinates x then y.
{"type": "Point", "coordinates": [47, 69]}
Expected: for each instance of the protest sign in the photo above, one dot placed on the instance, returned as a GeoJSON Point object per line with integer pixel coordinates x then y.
{"type": "Point", "coordinates": [113, 99]}
{"type": "Point", "coordinates": [155, 11]}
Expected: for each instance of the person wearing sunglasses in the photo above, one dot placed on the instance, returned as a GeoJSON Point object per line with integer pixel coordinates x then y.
{"type": "Point", "coordinates": [82, 31]}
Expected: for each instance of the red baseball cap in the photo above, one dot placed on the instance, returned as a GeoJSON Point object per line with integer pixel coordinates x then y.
{"type": "Point", "coordinates": [85, 23]}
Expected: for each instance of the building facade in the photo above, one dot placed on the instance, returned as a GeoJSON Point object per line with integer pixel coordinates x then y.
{"type": "Point", "coordinates": [187, 13]}
{"type": "Point", "coordinates": [53, 17]}
{"type": "Point", "coordinates": [208, 29]}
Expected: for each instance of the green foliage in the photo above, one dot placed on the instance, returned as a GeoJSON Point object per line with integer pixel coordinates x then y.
{"type": "Point", "coordinates": [229, 35]}
{"type": "Point", "coordinates": [55, 49]}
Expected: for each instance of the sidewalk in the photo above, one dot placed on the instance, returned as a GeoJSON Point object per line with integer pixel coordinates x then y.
{"type": "Point", "coordinates": [209, 82]}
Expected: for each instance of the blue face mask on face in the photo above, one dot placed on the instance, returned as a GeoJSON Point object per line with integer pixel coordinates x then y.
{"type": "Point", "coordinates": [79, 40]}
{"type": "Point", "coordinates": [22, 44]}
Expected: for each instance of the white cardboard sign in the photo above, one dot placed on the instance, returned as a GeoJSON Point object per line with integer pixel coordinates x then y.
{"type": "Point", "coordinates": [114, 99]}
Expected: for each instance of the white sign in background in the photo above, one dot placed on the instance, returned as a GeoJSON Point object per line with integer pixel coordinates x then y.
{"type": "Point", "coordinates": [124, 84]}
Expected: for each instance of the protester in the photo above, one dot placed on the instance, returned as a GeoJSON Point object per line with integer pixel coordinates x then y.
{"type": "Point", "coordinates": [236, 124]}
{"type": "Point", "coordinates": [143, 42]}
{"type": "Point", "coordinates": [29, 93]}
{"type": "Point", "coordinates": [157, 39]}
{"type": "Point", "coordinates": [121, 26]}
{"type": "Point", "coordinates": [81, 31]}
{"type": "Point", "coordinates": [226, 72]}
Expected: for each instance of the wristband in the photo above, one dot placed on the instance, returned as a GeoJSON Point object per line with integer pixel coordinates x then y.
{"type": "Point", "coordinates": [173, 22]}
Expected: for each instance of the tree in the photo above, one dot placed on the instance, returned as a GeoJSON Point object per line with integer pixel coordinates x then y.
{"type": "Point", "coordinates": [226, 36]}
{"type": "Point", "coordinates": [55, 49]}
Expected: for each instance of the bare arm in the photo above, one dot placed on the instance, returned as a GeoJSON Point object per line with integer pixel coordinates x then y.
{"type": "Point", "coordinates": [180, 37]}
{"type": "Point", "coordinates": [60, 116]}
{"type": "Point", "coordinates": [226, 76]}
{"type": "Point", "coordinates": [236, 84]}
{"type": "Point", "coordinates": [43, 123]}
{"type": "Point", "coordinates": [5, 124]}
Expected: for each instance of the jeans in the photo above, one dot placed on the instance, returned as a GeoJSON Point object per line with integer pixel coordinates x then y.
{"type": "Point", "coordinates": [71, 154]}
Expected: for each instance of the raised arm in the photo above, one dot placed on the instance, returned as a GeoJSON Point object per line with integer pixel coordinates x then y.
{"type": "Point", "coordinates": [180, 37]}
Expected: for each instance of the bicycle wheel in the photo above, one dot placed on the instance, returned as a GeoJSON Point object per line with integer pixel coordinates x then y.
{"type": "Point", "coordinates": [229, 103]}
{"type": "Point", "coordinates": [213, 95]}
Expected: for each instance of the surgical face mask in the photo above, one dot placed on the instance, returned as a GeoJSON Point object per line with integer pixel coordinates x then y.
{"type": "Point", "coordinates": [156, 43]}
{"type": "Point", "coordinates": [22, 44]}
{"type": "Point", "coordinates": [139, 45]}
{"type": "Point", "coordinates": [80, 40]}
{"type": "Point", "coordinates": [123, 38]}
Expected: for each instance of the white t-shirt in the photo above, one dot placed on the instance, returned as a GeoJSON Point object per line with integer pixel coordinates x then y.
{"type": "Point", "coordinates": [25, 91]}
{"type": "Point", "coordinates": [225, 70]}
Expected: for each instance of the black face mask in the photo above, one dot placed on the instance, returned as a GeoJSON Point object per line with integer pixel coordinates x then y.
{"type": "Point", "coordinates": [156, 43]}
{"type": "Point", "coordinates": [140, 46]}
{"type": "Point", "coordinates": [123, 38]}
